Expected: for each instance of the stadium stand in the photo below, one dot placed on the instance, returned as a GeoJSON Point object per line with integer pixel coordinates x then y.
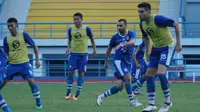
{"type": "Point", "coordinates": [93, 11]}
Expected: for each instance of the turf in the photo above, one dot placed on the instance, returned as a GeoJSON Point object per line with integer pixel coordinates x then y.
{"type": "Point", "coordinates": [185, 97]}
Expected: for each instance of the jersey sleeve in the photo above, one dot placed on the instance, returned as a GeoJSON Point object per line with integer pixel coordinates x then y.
{"type": "Point", "coordinates": [142, 31]}
{"type": "Point", "coordinates": [132, 35]}
{"type": "Point", "coordinates": [113, 42]}
{"type": "Point", "coordinates": [5, 45]}
{"type": "Point", "coordinates": [162, 21]}
{"type": "Point", "coordinates": [28, 39]}
{"type": "Point", "coordinates": [69, 34]}
{"type": "Point", "coordinates": [89, 32]}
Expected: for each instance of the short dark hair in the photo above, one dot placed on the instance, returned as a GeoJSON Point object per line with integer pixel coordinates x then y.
{"type": "Point", "coordinates": [145, 5]}
{"type": "Point", "coordinates": [12, 19]}
{"type": "Point", "coordinates": [78, 14]}
{"type": "Point", "coordinates": [125, 22]}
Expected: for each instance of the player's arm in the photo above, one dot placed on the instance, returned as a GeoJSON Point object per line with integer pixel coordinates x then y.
{"type": "Point", "coordinates": [5, 46]}
{"type": "Point", "coordinates": [108, 51]}
{"type": "Point", "coordinates": [147, 42]}
{"type": "Point", "coordinates": [134, 56]}
{"type": "Point", "coordinates": [178, 41]}
{"type": "Point", "coordinates": [6, 49]}
{"type": "Point", "coordinates": [162, 21]}
{"type": "Point", "coordinates": [69, 41]}
{"type": "Point", "coordinates": [90, 35]}
{"type": "Point", "coordinates": [132, 40]}
{"type": "Point", "coordinates": [30, 42]}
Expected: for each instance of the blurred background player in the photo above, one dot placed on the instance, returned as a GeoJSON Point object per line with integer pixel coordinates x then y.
{"type": "Point", "coordinates": [123, 42]}
{"type": "Point", "coordinates": [140, 60]}
{"type": "Point", "coordinates": [15, 47]}
{"type": "Point", "coordinates": [3, 61]}
{"type": "Point", "coordinates": [78, 53]}
{"type": "Point", "coordinates": [156, 27]}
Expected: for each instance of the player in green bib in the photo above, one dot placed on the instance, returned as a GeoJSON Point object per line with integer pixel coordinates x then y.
{"type": "Point", "coordinates": [15, 47]}
{"type": "Point", "coordinates": [155, 27]}
{"type": "Point", "coordinates": [77, 50]}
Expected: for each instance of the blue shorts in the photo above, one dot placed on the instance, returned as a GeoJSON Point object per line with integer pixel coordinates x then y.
{"type": "Point", "coordinates": [122, 68]}
{"type": "Point", "coordinates": [24, 70]}
{"type": "Point", "coordinates": [161, 56]}
{"type": "Point", "coordinates": [77, 61]}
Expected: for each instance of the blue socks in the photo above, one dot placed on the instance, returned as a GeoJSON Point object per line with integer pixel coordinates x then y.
{"type": "Point", "coordinates": [129, 91]}
{"type": "Point", "coordinates": [36, 93]}
{"type": "Point", "coordinates": [80, 82]}
{"type": "Point", "coordinates": [70, 80]}
{"type": "Point", "coordinates": [151, 90]}
{"type": "Point", "coordinates": [3, 105]}
{"type": "Point", "coordinates": [111, 91]}
{"type": "Point", "coordinates": [139, 84]}
{"type": "Point", "coordinates": [165, 87]}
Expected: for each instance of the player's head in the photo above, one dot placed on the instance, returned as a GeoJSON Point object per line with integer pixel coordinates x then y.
{"type": "Point", "coordinates": [78, 17]}
{"type": "Point", "coordinates": [144, 10]}
{"type": "Point", "coordinates": [121, 25]}
{"type": "Point", "coordinates": [12, 24]}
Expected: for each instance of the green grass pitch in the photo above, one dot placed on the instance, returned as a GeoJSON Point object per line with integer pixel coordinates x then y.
{"type": "Point", "coordinates": [185, 97]}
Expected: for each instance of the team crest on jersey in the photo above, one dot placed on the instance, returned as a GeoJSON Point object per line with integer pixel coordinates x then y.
{"type": "Point", "coordinates": [15, 44]}
{"type": "Point", "coordinates": [78, 35]}
{"type": "Point", "coordinates": [150, 31]}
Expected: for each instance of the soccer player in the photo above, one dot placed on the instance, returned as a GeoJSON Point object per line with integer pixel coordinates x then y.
{"type": "Point", "coordinates": [140, 60]}
{"type": "Point", "coordinates": [78, 53]}
{"type": "Point", "coordinates": [15, 47]}
{"type": "Point", "coordinates": [155, 27]}
{"type": "Point", "coordinates": [122, 42]}
{"type": "Point", "coordinates": [3, 60]}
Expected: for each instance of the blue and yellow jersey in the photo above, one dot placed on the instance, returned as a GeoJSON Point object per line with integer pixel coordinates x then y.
{"type": "Point", "coordinates": [158, 30]}
{"type": "Point", "coordinates": [125, 53]}
{"type": "Point", "coordinates": [16, 47]}
{"type": "Point", "coordinates": [79, 38]}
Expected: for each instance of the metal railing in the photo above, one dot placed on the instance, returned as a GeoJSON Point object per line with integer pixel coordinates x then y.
{"type": "Point", "coordinates": [55, 30]}
{"type": "Point", "coordinates": [58, 30]}
{"type": "Point", "coordinates": [57, 67]}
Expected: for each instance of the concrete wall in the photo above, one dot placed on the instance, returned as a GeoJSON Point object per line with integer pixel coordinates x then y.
{"type": "Point", "coordinates": [14, 8]}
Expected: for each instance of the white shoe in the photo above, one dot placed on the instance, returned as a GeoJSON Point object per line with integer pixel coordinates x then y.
{"type": "Point", "coordinates": [149, 108]}
{"type": "Point", "coordinates": [99, 100]}
{"type": "Point", "coordinates": [165, 107]}
{"type": "Point", "coordinates": [135, 103]}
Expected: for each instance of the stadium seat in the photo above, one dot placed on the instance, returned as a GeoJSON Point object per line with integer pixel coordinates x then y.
{"type": "Point", "coordinates": [93, 11]}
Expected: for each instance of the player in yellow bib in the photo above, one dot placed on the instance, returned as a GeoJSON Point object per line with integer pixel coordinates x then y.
{"type": "Point", "coordinates": [78, 53]}
{"type": "Point", "coordinates": [15, 47]}
{"type": "Point", "coordinates": [155, 27]}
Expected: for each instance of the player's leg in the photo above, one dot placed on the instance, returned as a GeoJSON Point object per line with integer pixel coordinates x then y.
{"type": "Point", "coordinates": [133, 73]}
{"type": "Point", "coordinates": [151, 91]}
{"type": "Point", "coordinates": [166, 56]}
{"type": "Point", "coordinates": [3, 105]}
{"type": "Point", "coordinates": [124, 70]}
{"type": "Point", "coordinates": [142, 79]}
{"type": "Point", "coordinates": [113, 90]}
{"type": "Point", "coordinates": [82, 62]}
{"type": "Point", "coordinates": [7, 75]}
{"type": "Point", "coordinates": [72, 65]}
{"type": "Point", "coordinates": [35, 91]}
{"type": "Point", "coordinates": [27, 75]}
